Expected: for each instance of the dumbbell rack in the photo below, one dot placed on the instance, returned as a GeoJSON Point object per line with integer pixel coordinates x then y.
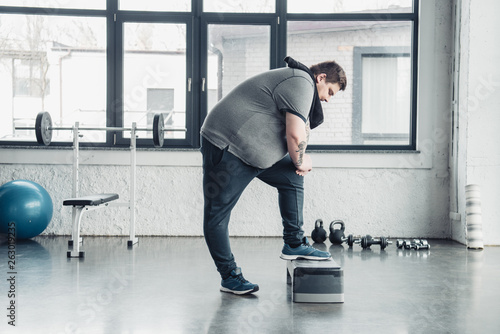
{"type": "Point", "coordinates": [77, 211]}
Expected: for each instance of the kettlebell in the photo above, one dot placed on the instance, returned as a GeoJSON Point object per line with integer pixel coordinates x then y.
{"type": "Point", "coordinates": [337, 235]}
{"type": "Point", "coordinates": [318, 234]}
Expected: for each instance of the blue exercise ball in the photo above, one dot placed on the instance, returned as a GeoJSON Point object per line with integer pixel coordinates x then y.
{"type": "Point", "coordinates": [25, 206]}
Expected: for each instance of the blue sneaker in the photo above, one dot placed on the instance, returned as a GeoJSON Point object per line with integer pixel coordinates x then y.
{"type": "Point", "coordinates": [237, 284]}
{"type": "Point", "coordinates": [304, 251]}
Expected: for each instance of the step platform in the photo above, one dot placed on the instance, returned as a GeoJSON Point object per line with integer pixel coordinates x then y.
{"type": "Point", "coordinates": [315, 281]}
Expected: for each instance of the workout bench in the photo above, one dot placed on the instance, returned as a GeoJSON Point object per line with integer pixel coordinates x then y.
{"type": "Point", "coordinates": [80, 205]}
{"type": "Point", "coordinates": [97, 201]}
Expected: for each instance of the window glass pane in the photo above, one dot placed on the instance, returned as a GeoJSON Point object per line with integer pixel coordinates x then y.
{"type": "Point", "coordinates": [155, 5]}
{"type": "Point", "coordinates": [375, 107]}
{"type": "Point", "coordinates": [155, 76]}
{"type": "Point", "coordinates": [239, 6]}
{"type": "Point", "coordinates": [385, 110]}
{"type": "Point", "coordinates": [235, 53]}
{"type": "Point", "coordinates": [350, 6]}
{"type": "Point", "coordinates": [55, 64]}
{"type": "Point", "coordinates": [80, 4]}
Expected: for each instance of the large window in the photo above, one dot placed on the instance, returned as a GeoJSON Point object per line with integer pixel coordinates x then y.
{"type": "Point", "coordinates": [154, 73]}
{"type": "Point", "coordinates": [382, 108]}
{"type": "Point", "coordinates": [375, 109]}
{"type": "Point", "coordinates": [155, 5]}
{"type": "Point", "coordinates": [239, 6]}
{"type": "Point", "coordinates": [114, 62]}
{"type": "Point", "coordinates": [55, 64]}
{"type": "Point", "coordinates": [235, 53]}
{"type": "Point", "coordinates": [57, 4]}
{"type": "Point", "coordinates": [350, 6]}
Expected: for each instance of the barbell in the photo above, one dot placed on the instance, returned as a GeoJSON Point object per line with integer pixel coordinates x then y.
{"type": "Point", "coordinates": [43, 129]}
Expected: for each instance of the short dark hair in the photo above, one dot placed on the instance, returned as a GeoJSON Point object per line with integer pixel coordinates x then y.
{"type": "Point", "coordinates": [334, 72]}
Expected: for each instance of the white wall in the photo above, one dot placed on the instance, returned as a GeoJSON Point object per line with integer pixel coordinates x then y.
{"type": "Point", "coordinates": [391, 194]}
{"type": "Point", "coordinates": [478, 115]}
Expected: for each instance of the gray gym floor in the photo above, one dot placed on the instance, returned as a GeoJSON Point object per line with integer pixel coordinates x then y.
{"type": "Point", "coordinates": [170, 285]}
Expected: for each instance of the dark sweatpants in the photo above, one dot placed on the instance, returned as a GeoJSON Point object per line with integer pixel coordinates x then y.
{"type": "Point", "coordinates": [225, 177]}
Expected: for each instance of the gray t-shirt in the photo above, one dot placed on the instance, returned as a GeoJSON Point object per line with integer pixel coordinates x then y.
{"type": "Point", "coordinates": [250, 120]}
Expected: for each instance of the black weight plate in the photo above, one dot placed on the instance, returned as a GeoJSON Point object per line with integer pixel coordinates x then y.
{"type": "Point", "coordinates": [158, 134]}
{"type": "Point", "coordinates": [43, 128]}
{"type": "Point", "coordinates": [383, 243]}
{"type": "Point", "coordinates": [350, 240]}
{"type": "Point", "coordinates": [364, 242]}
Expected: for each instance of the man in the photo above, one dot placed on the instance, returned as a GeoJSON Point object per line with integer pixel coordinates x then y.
{"type": "Point", "coordinates": [260, 129]}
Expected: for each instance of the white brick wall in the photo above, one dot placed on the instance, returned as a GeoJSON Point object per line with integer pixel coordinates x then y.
{"type": "Point", "coordinates": [405, 202]}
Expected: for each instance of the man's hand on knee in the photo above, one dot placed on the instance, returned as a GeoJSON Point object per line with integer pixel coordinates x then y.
{"type": "Point", "coordinates": [305, 167]}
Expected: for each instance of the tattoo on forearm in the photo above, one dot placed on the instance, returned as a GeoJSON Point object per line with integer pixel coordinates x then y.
{"type": "Point", "coordinates": [301, 151]}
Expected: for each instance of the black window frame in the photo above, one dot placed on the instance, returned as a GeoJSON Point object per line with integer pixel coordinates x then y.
{"type": "Point", "coordinates": [197, 22]}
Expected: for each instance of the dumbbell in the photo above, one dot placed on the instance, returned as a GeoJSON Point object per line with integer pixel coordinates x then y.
{"type": "Point", "coordinates": [408, 244]}
{"type": "Point", "coordinates": [368, 241]}
{"type": "Point", "coordinates": [421, 244]}
{"type": "Point", "coordinates": [413, 244]}
{"type": "Point", "coordinates": [351, 240]}
{"type": "Point", "coordinates": [403, 244]}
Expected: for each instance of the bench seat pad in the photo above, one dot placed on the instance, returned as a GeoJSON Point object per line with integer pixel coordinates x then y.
{"type": "Point", "coordinates": [96, 199]}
